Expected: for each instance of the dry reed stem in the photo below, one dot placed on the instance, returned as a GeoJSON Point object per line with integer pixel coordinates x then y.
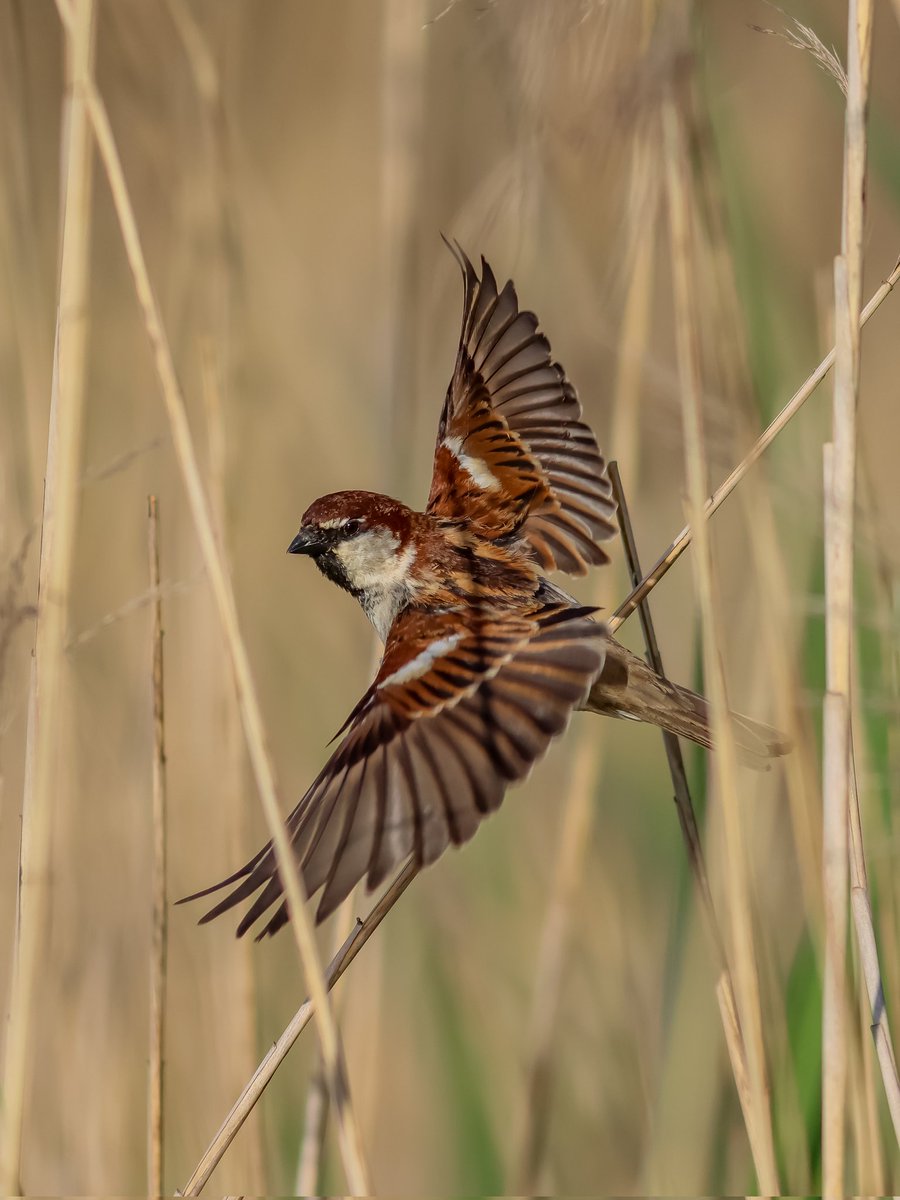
{"type": "Point", "coordinates": [241, 1033]}
{"type": "Point", "coordinates": [135, 604]}
{"type": "Point", "coordinates": [315, 1113]}
{"type": "Point", "coordinates": [734, 1044]}
{"type": "Point", "coordinates": [262, 1076]}
{"type": "Point", "coordinates": [861, 908]}
{"type": "Point", "coordinates": [26, 312]}
{"type": "Point", "coordinates": [196, 48]}
{"type": "Point", "coordinates": [577, 820]}
{"type": "Point", "coordinates": [402, 130]}
{"type": "Point", "coordinates": [857, 1122]}
{"type": "Point", "coordinates": [724, 762]}
{"type": "Point", "coordinates": [863, 1066]}
{"type": "Point", "coordinates": [734, 1041]}
{"type": "Point", "coordinates": [159, 943]}
{"type": "Point", "coordinates": [840, 494]}
{"type": "Point", "coordinates": [683, 802]}
{"type": "Point", "coordinates": [681, 542]}
{"type": "Point", "coordinates": [800, 767]}
{"type": "Point", "coordinates": [25, 827]}
{"type": "Point", "coordinates": [552, 953]}
{"type": "Point", "coordinates": [312, 1141]}
{"type": "Point", "coordinates": [60, 515]}
{"type": "Point", "coordinates": [301, 923]}
{"type": "Point", "coordinates": [871, 1179]}
{"type": "Point", "coordinates": [120, 462]}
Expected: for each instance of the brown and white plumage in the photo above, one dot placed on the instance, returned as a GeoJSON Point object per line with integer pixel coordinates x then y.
{"type": "Point", "coordinates": [513, 454]}
{"type": "Point", "coordinates": [485, 660]}
{"type": "Point", "coordinates": [460, 709]}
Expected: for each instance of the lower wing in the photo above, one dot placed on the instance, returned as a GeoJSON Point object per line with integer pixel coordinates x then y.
{"type": "Point", "coordinates": [462, 706]}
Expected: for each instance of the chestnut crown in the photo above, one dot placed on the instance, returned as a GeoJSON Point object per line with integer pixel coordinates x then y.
{"type": "Point", "coordinates": [361, 541]}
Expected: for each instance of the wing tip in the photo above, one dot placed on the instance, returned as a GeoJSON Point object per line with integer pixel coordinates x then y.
{"type": "Point", "coordinates": [459, 254]}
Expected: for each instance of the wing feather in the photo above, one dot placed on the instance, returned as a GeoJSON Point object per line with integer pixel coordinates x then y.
{"type": "Point", "coordinates": [426, 757]}
{"type": "Point", "coordinates": [513, 455]}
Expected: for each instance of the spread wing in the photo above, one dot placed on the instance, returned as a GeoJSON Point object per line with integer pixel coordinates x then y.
{"type": "Point", "coordinates": [458, 711]}
{"type": "Point", "coordinates": [512, 451]}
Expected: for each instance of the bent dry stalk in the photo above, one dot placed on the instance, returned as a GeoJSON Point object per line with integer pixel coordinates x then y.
{"type": "Point", "coordinates": [678, 546]}
{"type": "Point", "coordinates": [262, 1076]}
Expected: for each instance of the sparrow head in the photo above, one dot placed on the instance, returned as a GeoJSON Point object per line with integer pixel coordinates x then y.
{"type": "Point", "coordinates": [363, 542]}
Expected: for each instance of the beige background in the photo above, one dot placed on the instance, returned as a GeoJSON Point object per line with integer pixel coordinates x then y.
{"type": "Point", "coordinates": [291, 219]}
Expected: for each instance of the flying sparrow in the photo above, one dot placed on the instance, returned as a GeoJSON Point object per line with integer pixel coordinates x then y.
{"type": "Point", "coordinates": [485, 659]}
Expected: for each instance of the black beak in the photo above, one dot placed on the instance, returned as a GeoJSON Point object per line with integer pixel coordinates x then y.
{"type": "Point", "coordinates": [307, 541]}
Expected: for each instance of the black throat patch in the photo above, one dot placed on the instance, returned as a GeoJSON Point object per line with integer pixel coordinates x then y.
{"type": "Point", "coordinates": [330, 566]}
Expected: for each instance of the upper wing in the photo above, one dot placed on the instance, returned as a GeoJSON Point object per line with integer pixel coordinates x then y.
{"type": "Point", "coordinates": [512, 453]}
{"type": "Point", "coordinates": [457, 711]}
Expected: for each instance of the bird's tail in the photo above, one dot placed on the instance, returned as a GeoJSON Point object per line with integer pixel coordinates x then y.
{"type": "Point", "coordinates": [628, 687]}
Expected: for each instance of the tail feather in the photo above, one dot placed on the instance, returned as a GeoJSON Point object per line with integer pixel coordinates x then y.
{"type": "Point", "coordinates": [628, 687]}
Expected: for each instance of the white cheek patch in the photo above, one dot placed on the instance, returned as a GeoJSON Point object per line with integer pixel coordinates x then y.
{"type": "Point", "coordinates": [423, 660]}
{"type": "Point", "coordinates": [475, 467]}
{"type": "Point", "coordinates": [379, 572]}
{"type": "Point", "coordinates": [372, 563]}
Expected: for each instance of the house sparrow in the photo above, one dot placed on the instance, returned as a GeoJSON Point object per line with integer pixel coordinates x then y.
{"type": "Point", "coordinates": [485, 659]}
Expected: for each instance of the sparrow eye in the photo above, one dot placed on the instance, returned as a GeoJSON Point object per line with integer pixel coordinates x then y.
{"type": "Point", "coordinates": [354, 525]}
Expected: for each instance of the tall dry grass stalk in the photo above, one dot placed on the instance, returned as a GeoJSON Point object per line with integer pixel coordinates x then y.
{"type": "Point", "coordinates": [26, 316]}
{"type": "Point", "coordinates": [217, 360]}
{"type": "Point", "coordinates": [59, 524]}
{"type": "Point", "coordinates": [725, 760]}
{"type": "Point", "coordinates": [315, 1114]}
{"type": "Point", "coordinates": [679, 544]}
{"type": "Point", "coordinates": [876, 1010]}
{"type": "Point", "coordinates": [160, 912]}
{"type": "Point", "coordinates": [734, 1041]}
{"type": "Point", "coordinates": [263, 1074]}
{"type": "Point", "coordinates": [402, 95]}
{"type": "Point", "coordinates": [241, 1029]}
{"type": "Point", "coordinates": [312, 1140]}
{"type": "Point", "coordinates": [403, 49]}
{"type": "Point", "coordinates": [840, 498]}
{"type": "Point", "coordinates": [587, 762]}
{"type": "Point", "coordinates": [683, 801]}
{"type": "Point", "coordinates": [301, 923]}
{"type": "Point", "coordinates": [800, 767]}
{"type": "Point", "coordinates": [864, 1082]}
{"type": "Point", "coordinates": [835, 810]}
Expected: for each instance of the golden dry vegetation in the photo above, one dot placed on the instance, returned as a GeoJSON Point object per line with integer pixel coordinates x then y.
{"type": "Point", "coordinates": [540, 1010]}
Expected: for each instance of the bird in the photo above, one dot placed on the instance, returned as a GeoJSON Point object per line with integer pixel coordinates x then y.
{"type": "Point", "coordinates": [485, 657]}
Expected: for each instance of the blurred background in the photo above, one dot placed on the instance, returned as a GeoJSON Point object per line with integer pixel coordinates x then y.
{"type": "Point", "coordinates": [292, 167]}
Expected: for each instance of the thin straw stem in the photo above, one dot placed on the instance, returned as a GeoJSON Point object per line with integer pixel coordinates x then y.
{"type": "Point", "coordinates": [158, 943]}
{"type": "Point", "coordinates": [575, 833]}
{"type": "Point", "coordinates": [724, 762]}
{"type": "Point", "coordinates": [861, 907]}
{"type": "Point", "coordinates": [240, 1029]}
{"type": "Point", "coordinates": [312, 1140]}
{"type": "Point", "coordinates": [301, 922]}
{"type": "Point", "coordinates": [670, 556]}
{"type": "Point", "coordinates": [262, 1076]}
{"type": "Point", "coordinates": [836, 767]}
{"type": "Point", "coordinates": [683, 802]}
{"type": "Point", "coordinates": [315, 1113]}
{"type": "Point", "coordinates": [840, 495]}
{"type": "Point", "coordinates": [734, 1041]}
{"type": "Point", "coordinates": [60, 515]}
